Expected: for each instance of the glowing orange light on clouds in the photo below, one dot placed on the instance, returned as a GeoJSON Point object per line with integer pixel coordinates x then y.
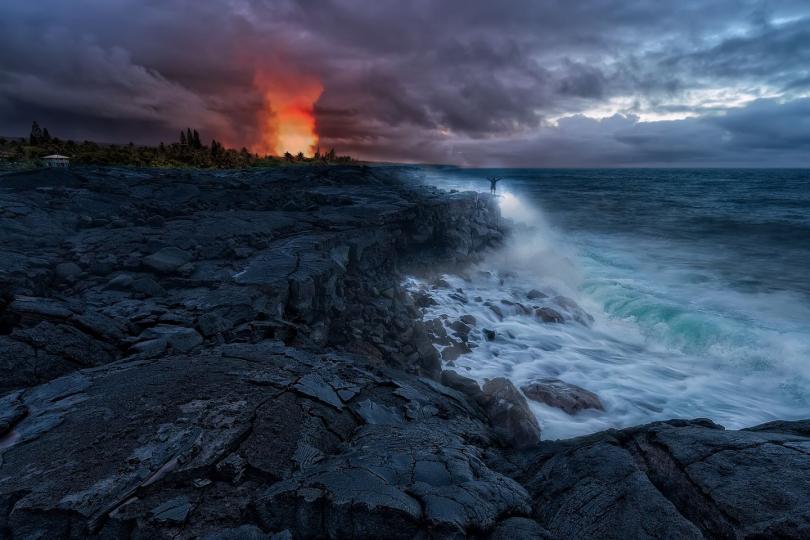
{"type": "Point", "coordinates": [287, 121]}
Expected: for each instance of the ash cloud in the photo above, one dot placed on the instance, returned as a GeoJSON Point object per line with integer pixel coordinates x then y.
{"type": "Point", "coordinates": [523, 82]}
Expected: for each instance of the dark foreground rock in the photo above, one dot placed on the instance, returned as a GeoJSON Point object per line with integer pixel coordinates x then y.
{"type": "Point", "coordinates": [230, 355]}
{"type": "Point", "coordinates": [677, 479]}
{"type": "Point", "coordinates": [100, 264]}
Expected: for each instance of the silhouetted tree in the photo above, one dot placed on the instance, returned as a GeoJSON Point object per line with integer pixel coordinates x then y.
{"type": "Point", "coordinates": [36, 134]}
{"type": "Point", "coordinates": [46, 137]}
{"type": "Point", "coordinates": [288, 156]}
{"type": "Point", "coordinates": [217, 149]}
{"type": "Point", "coordinates": [189, 137]}
{"type": "Point", "coordinates": [183, 138]}
{"type": "Point", "coordinates": [196, 139]}
{"type": "Point", "coordinates": [331, 155]}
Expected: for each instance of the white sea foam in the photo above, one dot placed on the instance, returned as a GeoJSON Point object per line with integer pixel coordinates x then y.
{"type": "Point", "coordinates": [665, 341]}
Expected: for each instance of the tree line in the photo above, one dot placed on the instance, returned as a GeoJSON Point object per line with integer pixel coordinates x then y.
{"type": "Point", "coordinates": [188, 151]}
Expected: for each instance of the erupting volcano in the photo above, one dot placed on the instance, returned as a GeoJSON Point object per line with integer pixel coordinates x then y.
{"type": "Point", "coordinates": [287, 121]}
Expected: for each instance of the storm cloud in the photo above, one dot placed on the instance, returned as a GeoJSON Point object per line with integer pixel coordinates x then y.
{"type": "Point", "coordinates": [474, 82]}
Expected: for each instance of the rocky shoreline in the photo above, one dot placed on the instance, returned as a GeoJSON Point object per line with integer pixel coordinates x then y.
{"type": "Point", "coordinates": [231, 354]}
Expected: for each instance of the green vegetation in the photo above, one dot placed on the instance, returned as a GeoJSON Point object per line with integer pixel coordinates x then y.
{"type": "Point", "coordinates": [189, 151]}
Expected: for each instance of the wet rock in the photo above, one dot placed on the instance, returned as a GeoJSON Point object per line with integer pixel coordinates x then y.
{"type": "Point", "coordinates": [423, 299]}
{"type": "Point", "coordinates": [534, 294]}
{"type": "Point", "coordinates": [549, 315]}
{"type": "Point", "coordinates": [509, 414]}
{"type": "Point", "coordinates": [456, 349]}
{"type": "Point", "coordinates": [468, 320]}
{"type": "Point", "coordinates": [576, 312]}
{"type": "Point", "coordinates": [460, 329]}
{"type": "Point", "coordinates": [489, 334]}
{"type": "Point", "coordinates": [495, 309]}
{"type": "Point", "coordinates": [562, 395]}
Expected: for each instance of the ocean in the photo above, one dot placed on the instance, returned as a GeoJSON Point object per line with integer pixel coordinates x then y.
{"type": "Point", "coordinates": [697, 282]}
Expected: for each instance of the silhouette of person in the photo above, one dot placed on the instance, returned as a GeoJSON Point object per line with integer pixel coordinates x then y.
{"type": "Point", "coordinates": [493, 183]}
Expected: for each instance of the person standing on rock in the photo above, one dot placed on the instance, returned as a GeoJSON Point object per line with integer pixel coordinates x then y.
{"type": "Point", "coordinates": [493, 183]}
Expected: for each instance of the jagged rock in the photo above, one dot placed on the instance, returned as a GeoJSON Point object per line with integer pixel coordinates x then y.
{"type": "Point", "coordinates": [509, 414]}
{"type": "Point", "coordinates": [174, 511]}
{"type": "Point", "coordinates": [393, 482]}
{"type": "Point", "coordinates": [314, 386]}
{"type": "Point", "coordinates": [468, 320]}
{"type": "Point", "coordinates": [556, 393]}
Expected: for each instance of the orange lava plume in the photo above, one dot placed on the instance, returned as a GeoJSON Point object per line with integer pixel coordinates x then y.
{"type": "Point", "coordinates": [287, 121]}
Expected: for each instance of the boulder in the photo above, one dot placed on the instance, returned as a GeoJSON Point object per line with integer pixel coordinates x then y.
{"type": "Point", "coordinates": [549, 315]}
{"type": "Point", "coordinates": [68, 271]}
{"type": "Point", "coordinates": [147, 287]}
{"type": "Point", "coordinates": [518, 528]}
{"type": "Point", "coordinates": [179, 338]}
{"type": "Point", "coordinates": [534, 294]}
{"type": "Point", "coordinates": [167, 260]}
{"type": "Point", "coordinates": [562, 395]}
{"type": "Point", "coordinates": [509, 414]}
{"type": "Point", "coordinates": [675, 479]}
{"type": "Point", "coordinates": [465, 385]}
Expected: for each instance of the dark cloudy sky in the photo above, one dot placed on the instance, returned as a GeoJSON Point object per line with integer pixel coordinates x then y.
{"type": "Point", "coordinates": [470, 82]}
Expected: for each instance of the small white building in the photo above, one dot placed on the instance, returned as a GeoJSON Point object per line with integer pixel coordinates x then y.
{"type": "Point", "coordinates": [56, 160]}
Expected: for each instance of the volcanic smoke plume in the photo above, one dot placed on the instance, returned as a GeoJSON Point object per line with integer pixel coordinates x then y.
{"type": "Point", "coordinates": [287, 122]}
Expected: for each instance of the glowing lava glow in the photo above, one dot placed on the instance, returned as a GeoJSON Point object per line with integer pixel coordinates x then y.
{"type": "Point", "coordinates": [287, 121]}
